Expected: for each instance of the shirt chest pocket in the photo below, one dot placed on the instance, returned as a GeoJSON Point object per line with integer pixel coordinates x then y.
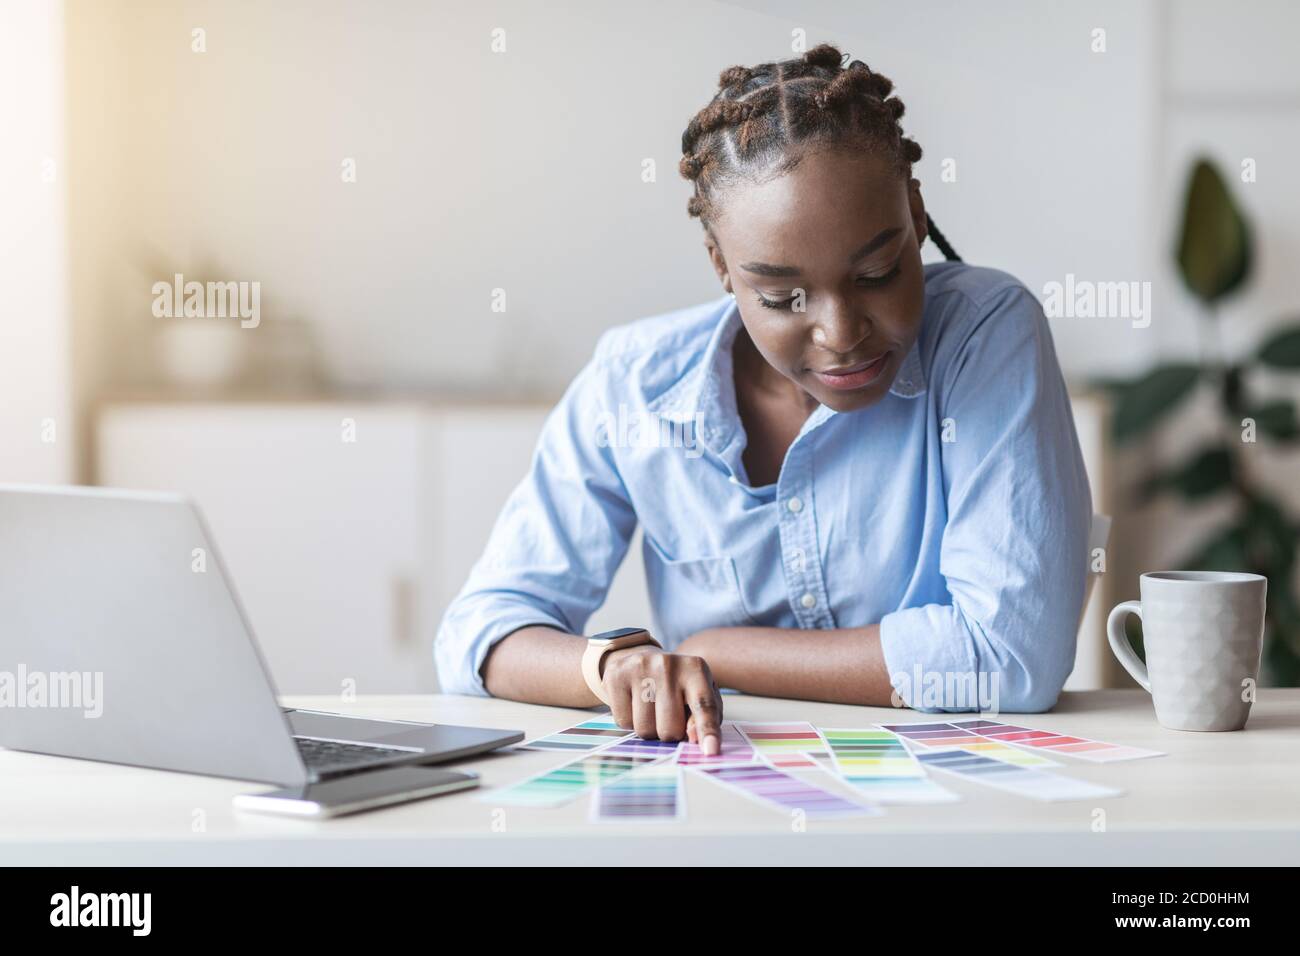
{"type": "Point", "coordinates": [689, 595]}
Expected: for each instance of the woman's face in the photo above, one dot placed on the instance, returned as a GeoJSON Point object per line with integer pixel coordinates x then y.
{"type": "Point", "coordinates": [840, 237]}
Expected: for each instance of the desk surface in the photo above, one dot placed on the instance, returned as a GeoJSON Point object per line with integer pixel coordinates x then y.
{"type": "Point", "coordinates": [1215, 798]}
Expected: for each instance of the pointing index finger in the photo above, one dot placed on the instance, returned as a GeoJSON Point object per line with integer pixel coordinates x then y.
{"type": "Point", "coordinates": [706, 709]}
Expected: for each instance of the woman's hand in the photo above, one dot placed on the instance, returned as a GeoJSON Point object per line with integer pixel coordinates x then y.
{"type": "Point", "coordinates": [664, 696]}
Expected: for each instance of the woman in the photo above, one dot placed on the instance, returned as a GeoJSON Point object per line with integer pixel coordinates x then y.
{"type": "Point", "coordinates": [857, 475]}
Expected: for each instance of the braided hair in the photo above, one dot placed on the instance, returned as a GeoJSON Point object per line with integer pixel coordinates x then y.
{"type": "Point", "coordinates": [759, 112]}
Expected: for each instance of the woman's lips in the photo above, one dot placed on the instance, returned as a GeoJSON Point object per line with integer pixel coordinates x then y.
{"type": "Point", "coordinates": [854, 376]}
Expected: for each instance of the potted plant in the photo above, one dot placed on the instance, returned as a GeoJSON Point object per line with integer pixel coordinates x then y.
{"type": "Point", "coordinates": [1214, 255]}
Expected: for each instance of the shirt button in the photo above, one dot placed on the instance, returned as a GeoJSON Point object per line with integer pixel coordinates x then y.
{"type": "Point", "coordinates": [795, 505]}
{"type": "Point", "coordinates": [808, 600]}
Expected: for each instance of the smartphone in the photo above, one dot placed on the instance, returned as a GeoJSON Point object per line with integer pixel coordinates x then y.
{"type": "Point", "coordinates": [358, 791]}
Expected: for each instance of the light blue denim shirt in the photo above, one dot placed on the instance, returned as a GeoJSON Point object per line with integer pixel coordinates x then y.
{"type": "Point", "coordinates": [954, 512]}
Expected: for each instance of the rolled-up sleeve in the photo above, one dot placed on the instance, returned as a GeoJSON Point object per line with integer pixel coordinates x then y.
{"type": "Point", "coordinates": [1014, 547]}
{"type": "Point", "coordinates": [555, 546]}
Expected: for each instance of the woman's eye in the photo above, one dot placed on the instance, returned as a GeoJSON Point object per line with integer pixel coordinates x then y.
{"type": "Point", "coordinates": [863, 281]}
{"type": "Point", "coordinates": [871, 282]}
{"type": "Point", "coordinates": [775, 303]}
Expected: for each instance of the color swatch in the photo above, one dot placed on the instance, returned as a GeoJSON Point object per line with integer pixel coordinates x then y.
{"type": "Point", "coordinates": [569, 780]}
{"type": "Point", "coordinates": [783, 738]}
{"type": "Point", "coordinates": [947, 735]}
{"type": "Point", "coordinates": [877, 763]}
{"type": "Point", "coordinates": [790, 761]}
{"type": "Point", "coordinates": [959, 733]}
{"type": "Point", "coordinates": [1022, 781]}
{"type": "Point", "coordinates": [632, 779]}
{"type": "Point", "coordinates": [781, 791]}
{"type": "Point", "coordinates": [588, 735]}
{"type": "Point", "coordinates": [734, 751]}
{"type": "Point", "coordinates": [649, 794]}
{"type": "Point", "coordinates": [1096, 751]}
{"type": "Point", "coordinates": [645, 748]}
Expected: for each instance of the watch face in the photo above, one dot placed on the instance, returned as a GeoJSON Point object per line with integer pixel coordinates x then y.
{"type": "Point", "coordinates": [604, 637]}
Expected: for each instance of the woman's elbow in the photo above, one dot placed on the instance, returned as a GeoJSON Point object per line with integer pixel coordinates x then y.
{"type": "Point", "coordinates": [1029, 695]}
{"type": "Point", "coordinates": [1033, 686]}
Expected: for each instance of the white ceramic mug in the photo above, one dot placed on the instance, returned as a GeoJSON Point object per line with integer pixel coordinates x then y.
{"type": "Point", "coordinates": [1203, 632]}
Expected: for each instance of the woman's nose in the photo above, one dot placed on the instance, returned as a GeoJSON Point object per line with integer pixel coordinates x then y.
{"type": "Point", "coordinates": [840, 330]}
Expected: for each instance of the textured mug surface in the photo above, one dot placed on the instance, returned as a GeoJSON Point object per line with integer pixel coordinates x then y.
{"type": "Point", "coordinates": [1203, 632]}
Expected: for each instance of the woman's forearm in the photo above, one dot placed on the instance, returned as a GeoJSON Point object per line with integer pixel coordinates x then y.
{"type": "Point", "coordinates": [843, 666]}
{"type": "Point", "coordinates": [542, 665]}
{"type": "Point", "coordinates": [539, 665]}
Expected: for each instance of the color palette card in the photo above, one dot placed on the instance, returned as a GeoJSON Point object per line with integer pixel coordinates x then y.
{"type": "Point", "coordinates": [1012, 778]}
{"type": "Point", "coordinates": [1083, 748]}
{"type": "Point", "coordinates": [946, 735]}
{"type": "Point", "coordinates": [877, 763]}
{"type": "Point", "coordinates": [649, 794]}
{"type": "Point", "coordinates": [783, 738]}
{"type": "Point", "coordinates": [783, 791]}
{"type": "Point", "coordinates": [586, 736]}
{"type": "Point", "coordinates": [734, 751]}
{"type": "Point", "coordinates": [569, 780]}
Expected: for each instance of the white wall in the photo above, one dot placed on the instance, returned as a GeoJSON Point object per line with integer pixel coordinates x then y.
{"type": "Point", "coordinates": [36, 427]}
{"type": "Point", "coordinates": [521, 170]}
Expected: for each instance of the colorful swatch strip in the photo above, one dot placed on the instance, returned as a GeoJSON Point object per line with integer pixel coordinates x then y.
{"type": "Point", "coordinates": [586, 736]}
{"type": "Point", "coordinates": [649, 794]}
{"type": "Point", "coordinates": [1012, 778]}
{"type": "Point", "coordinates": [783, 738]}
{"type": "Point", "coordinates": [734, 751]}
{"type": "Point", "coordinates": [1096, 751]}
{"type": "Point", "coordinates": [645, 748]}
{"type": "Point", "coordinates": [877, 763]}
{"type": "Point", "coordinates": [781, 791]}
{"type": "Point", "coordinates": [791, 761]}
{"type": "Point", "coordinates": [570, 780]}
{"type": "Point", "coordinates": [946, 735]}
{"type": "Point", "coordinates": [967, 733]}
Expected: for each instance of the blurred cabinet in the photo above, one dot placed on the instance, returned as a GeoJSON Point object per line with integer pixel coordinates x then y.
{"type": "Point", "coordinates": [347, 527]}
{"type": "Point", "coordinates": [316, 510]}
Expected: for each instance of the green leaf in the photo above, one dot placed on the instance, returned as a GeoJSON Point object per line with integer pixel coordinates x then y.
{"type": "Point", "coordinates": [1284, 614]}
{"type": "Point", "coordinates": [1214, 248]}
{"type": "Point", "coordinates": [1277, 420]}
{"type": "Point", "coordinates": [1282, 664]}
{"type": "Point", "coordinates": [1143, 402]}
{"type": "Point", "coordinates": [1208, 471]}
{"type": "Point", "coordinates": [1282, 350]}
{"type": "Point", "coordinates": [1226, 551]}
{"type": "Point", "coordinates": [1272, 537]}
{"type": "Point", "coordinates": [1232, 390]}
{"type": "Point", "coordinates": [1112, 386]}
{"type": "Point", "coordinates": [1282, 641]}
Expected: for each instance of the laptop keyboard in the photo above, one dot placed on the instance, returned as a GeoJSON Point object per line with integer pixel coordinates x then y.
{"type": "Point", "coordinates": [335, 755]}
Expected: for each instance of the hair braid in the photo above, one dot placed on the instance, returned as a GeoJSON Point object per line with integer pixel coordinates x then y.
{"type": "Point", "coordinates": [940, 240]}
{"type": "Point", "coordinates": [760, 112]}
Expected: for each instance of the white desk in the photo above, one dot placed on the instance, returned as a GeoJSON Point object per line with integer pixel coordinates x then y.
{"type": "Point", "coordinates": [1228, 798]}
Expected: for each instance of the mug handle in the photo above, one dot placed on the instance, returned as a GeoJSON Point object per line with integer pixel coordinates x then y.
{"type": "Point", "coordinates": [1119, 642]}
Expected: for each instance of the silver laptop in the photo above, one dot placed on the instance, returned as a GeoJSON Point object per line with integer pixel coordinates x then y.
{"type": "Point", "coordinates": [122, 640]}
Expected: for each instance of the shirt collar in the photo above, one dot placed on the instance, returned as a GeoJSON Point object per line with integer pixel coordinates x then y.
{"type": "Point", "coordinates": [707, 393]}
